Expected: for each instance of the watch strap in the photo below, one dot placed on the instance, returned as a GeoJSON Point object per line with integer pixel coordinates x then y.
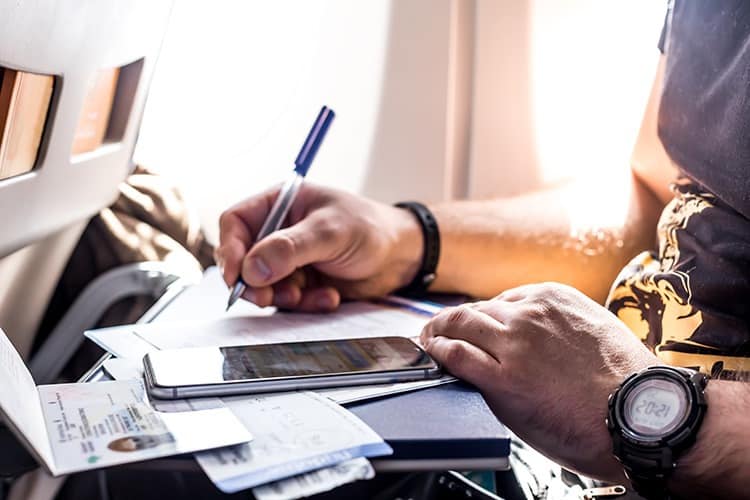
{"type": "Point", "coordinates": [431, 253]}
{"type": "Point", "coordinates": [647, 470]}
{"type": "Point", "coordinates": [651, 488]}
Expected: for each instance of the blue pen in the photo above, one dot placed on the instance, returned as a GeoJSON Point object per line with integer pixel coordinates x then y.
{"type": "Point", "coordinates": [290, 188]}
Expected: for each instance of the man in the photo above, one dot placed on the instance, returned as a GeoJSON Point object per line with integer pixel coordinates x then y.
{"type": "Point", "coordinates": [546, 356]}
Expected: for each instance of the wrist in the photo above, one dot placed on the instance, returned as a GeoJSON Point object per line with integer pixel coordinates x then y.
{"type": "Point", "coordinates": [718, 460]}
{"type": "Point", "coordinates": [407, 246]}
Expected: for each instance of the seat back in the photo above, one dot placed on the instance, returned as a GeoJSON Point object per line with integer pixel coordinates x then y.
{"type": "Point", "coordinates": [73, 85]}
{"type": "Point", "coordinates": [72, 42]}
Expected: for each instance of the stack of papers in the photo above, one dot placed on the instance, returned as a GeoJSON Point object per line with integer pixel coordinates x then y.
{"type": "Point", "coordinates": [247, 324]}
{"type": "Point", "coordinates": [304, 442]}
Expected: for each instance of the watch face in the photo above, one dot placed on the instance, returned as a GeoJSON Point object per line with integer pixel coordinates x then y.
{"type": "Point", "coordinates": [655, 407]}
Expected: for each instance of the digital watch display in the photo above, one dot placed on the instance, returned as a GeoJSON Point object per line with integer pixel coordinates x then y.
{"type": "Point", "coordinates": [653, 417]}
{"type": "Point", "coordinates": [655, 407]}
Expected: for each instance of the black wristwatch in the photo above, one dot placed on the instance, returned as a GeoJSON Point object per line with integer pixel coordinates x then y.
{"type": "Point", "coordinates": [431, 236]}
{"type": "Point", "coordinates": [653, 417]}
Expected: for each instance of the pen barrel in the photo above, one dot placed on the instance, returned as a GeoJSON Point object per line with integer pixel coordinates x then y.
{"type": "Point", "coordinates": [281, 206]}
{"type": "Point", "coordinates": [313, 141]}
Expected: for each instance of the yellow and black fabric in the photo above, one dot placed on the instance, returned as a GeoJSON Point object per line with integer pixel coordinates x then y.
{"type": "Point", "coordinates": [691, 300]}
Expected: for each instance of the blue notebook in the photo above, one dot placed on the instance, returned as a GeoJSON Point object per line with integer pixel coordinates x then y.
{"type": "Point", "coordinates": [450, 422]}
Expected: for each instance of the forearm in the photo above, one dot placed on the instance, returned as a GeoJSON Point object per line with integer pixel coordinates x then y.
{"type": "Point", "coordinates": [574, 234]}
{"type": "Point", "coordinates": [717, 465]}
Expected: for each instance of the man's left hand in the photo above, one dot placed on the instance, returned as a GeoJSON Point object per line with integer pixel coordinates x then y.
{"type": "Point", "coordinates": [545, 357]}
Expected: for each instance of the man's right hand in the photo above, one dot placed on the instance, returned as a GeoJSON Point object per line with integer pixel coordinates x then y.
{"type": "Point", "coordinates": [336, 245]}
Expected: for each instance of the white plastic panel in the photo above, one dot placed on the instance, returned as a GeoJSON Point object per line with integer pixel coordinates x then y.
{"type": "Point", "coordinates": [72, 40]}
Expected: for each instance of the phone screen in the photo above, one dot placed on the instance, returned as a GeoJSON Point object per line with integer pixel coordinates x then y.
{"type": "Point", "coordinates": [295, 359]}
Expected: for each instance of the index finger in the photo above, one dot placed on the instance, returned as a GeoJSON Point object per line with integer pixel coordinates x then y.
{"type": "Point", "coordinates": [238, 226]}
{"type": "Point", "coordinates": [468, 324]}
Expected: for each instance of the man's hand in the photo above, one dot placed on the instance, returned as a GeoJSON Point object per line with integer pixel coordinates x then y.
{"type": "Point", "coordinates": [546, 357]}
{"type": "Point", "coordinates": [336, 244]}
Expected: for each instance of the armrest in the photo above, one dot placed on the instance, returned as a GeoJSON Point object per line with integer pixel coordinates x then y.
{"type": "Point", "coordinates": [145, 278]}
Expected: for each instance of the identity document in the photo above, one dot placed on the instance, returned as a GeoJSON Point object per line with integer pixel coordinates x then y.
{"type": "Point", "coordinates": [75, 427]}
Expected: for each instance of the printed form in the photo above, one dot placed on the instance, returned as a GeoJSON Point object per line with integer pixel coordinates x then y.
{"type": "Point", "coordinates": [295, 432]}
{"type": "Point", "coordinates": [277, 422]}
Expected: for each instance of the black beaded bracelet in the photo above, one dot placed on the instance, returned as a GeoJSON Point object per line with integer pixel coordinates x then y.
{"type": "Point", "coordinates": [426, 274]}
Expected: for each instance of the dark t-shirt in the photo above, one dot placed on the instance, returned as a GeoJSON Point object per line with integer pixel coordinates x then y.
{"type": "Point", "coordinates": [703, 114]}
{"type": "Point", "coordinates": [691, 300]}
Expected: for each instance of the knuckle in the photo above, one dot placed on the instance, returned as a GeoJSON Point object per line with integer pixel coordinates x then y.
{"type": "Point", "coordinates": [219, 252]}
{"type": "Point", "coordinates": [220, 256]}
{"type": "Point", "coordinates": [285, 245]}
{"type": "Point", "coordinates": [223, 218]}
{"type": "Point", "coordinates": [553, 289]}
{"type": "Point", "coordinates": [223, 225]}
{"type": "Point", "coordinates": [537, 311]}
{"type": "Point", "coordinates": [455, 354]}
{"type": "Point", "coordinates": [541, 290]}
{"type": "Point", "coordinates": [457, 315]}
{"type": "Point", "coordinates": [328, 229]}
{"type": "Point", "coordinates": [226, 219]}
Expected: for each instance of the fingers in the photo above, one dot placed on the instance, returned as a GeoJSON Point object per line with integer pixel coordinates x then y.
{"type": "Point", "coordinates": [294, 293]}
{"type": "Point", "coordinates": [320, 299]}
{"type": "Point", "coordinates": [514, 294]}
{"type": "Point", "coordinates": [312, 240]}
{"type": "Point", "coordinates": [298, 292]}
{"type": "Point", "coordinates": [260, 296]}
{"type": "Point", "coordinates": [287, 293]}
{"type": "Point", "coordinates": [468, 324]}
{"type": "Point", "coordinates": [237, 226]}
{"type": "Point", "coordinates": [235, 241]}
{"type": "Point", "coordinates": [498, 309]}
{"type": "Point", "coordinates": [463, 360]}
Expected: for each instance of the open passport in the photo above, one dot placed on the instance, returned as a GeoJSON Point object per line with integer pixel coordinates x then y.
{"type": "Point", "coordinates": [74, 427]}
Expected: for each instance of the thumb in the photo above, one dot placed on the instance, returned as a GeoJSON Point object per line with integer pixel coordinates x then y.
{"type": "Point", "coordinates": [313, 239]}
{"type": "Point", "coordinates": [464, 360]}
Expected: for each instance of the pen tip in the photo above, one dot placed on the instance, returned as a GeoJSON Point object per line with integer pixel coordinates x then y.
{"type": "Point", "coordinates": [236, 293]}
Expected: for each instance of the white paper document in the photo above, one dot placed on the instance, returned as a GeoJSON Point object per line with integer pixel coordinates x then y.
{"type": "Point", "coordinates": [196, 318]}
{"type": "Point", "coordinates": [317, 481]}
{"type": "Point", "coordinates": [346, 395]}
{"type": "Point", "coordinates": [351, 320]}
{"type": "Point", "coordinates": [248, 324]}
{"type": "Point", "coordinates": [75, 427]}
{"type": "Point", "coordinates": [207, 301]}
{"type": "Point", "coordinates": [294, 433]}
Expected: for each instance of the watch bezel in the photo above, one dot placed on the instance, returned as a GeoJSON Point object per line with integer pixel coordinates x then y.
{"type": "Point", "coordinates": [695, 405]}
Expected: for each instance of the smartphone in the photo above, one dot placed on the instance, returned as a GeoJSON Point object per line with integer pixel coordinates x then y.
{"type": "Point", "coordinates": [247, 369]}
